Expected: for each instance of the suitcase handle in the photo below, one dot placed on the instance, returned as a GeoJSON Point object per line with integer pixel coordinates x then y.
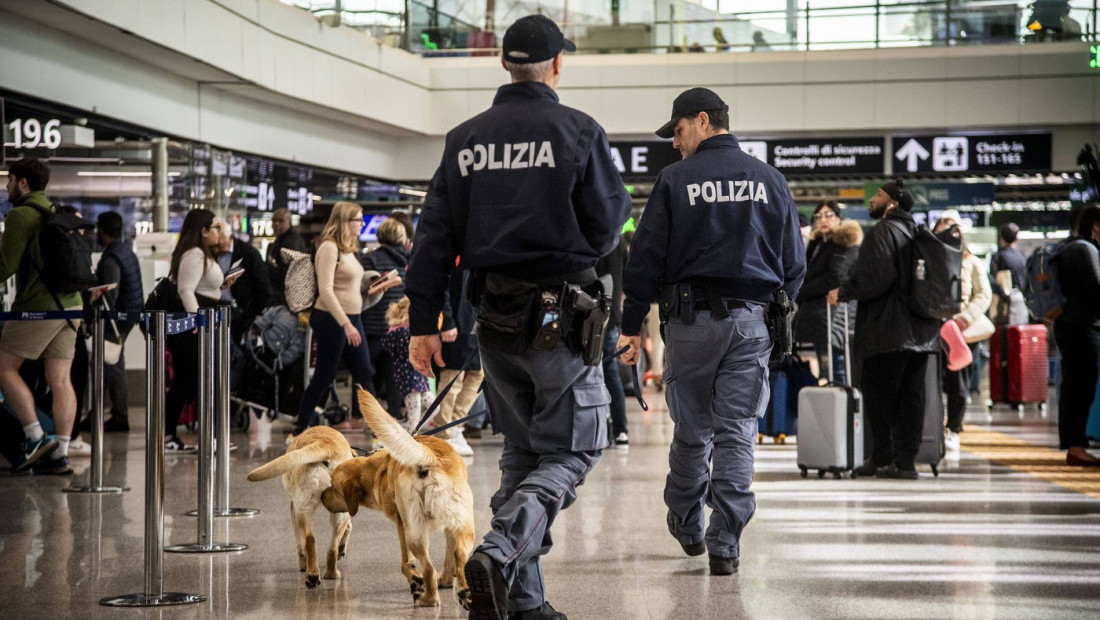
{"type": "Point", "coordinates": [829, 345]}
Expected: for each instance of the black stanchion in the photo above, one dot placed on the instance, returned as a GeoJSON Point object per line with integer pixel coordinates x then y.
{"type": "Point", "coordinates": [95, 482]}
{"type": "Point", "coordinates": [154, 594]}
{"type": "Point", "coordinates": [206, 431]}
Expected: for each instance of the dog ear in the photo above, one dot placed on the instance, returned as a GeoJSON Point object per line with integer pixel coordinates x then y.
{"type": "Point", "coordinates": [353, 494]}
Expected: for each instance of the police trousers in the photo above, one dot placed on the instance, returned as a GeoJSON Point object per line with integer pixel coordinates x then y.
{"type": "Point", "coordinates": [716, 386]}
{"type": "Point", "coordinates": [552, 410]}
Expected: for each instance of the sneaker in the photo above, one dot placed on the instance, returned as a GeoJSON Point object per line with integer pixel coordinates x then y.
{"type": "Point", "coordinates": [622, 440]}
{"type": "Point", "coordinates": [951, 441]}
{"type": "Point", "coordinates": [458, 442]}
{"type": "Point", "coordinates": [175, 445]}
{"type": "Point", "coordinates": [692, 549]}
{"type": "Point", "coordinates": [544, 612]}
{"type": "Point", "coordinates": [116, 424]}
{"type": "Point", "coordinates": [488, 590]}
{"type": "Point", "coordinates": [723, 566]}
{"type": "Point", "coordinates": [53, 467]}
{"type": "Point", "coordinates": [32, 452]}
{"type": "Point", "coordinates": [79, 447]}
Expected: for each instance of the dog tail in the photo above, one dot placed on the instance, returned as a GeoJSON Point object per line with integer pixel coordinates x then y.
{"type": "Point", "coordinates": [402, 446]}
{"type": "Point", "coordinates": [312, 453]}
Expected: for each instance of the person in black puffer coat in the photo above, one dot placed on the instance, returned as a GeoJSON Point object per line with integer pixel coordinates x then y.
{"type": "Point", "coordinates": [391, 254]}
{"type": "Point", "coordinates": [830, 258]}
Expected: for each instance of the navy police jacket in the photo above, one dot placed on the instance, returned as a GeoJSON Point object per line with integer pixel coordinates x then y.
{"type": "Point", "coordinates": [720, 217]}
{"type": "Point", "coordinates": [526, 188]}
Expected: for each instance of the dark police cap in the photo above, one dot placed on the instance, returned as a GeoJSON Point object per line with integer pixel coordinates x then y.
{"type": "Point", "coordinates": [691, 101]}
{"type": "Point", "coordinates": [534, 38]}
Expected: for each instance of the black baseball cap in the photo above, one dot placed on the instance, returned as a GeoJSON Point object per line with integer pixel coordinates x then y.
{"type": "Point", "coordinates": [691, 101]}
{"type": "Point", "coordinates": [534, 38]}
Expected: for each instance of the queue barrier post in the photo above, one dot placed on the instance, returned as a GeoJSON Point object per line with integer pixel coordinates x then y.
{"type": "Point", "coordinates": [154, 594]}
{"type": "Point", "coordinates": [221, 419]}
{"type": "Point", "coordinates": [206, 431]}
{"type": "Point", "coordinates": [95, 482]}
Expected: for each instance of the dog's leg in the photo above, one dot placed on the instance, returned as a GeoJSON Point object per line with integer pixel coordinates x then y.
{"type": "Point", "coordinates": [304, 521]}
{"type": "Point", "coordinates": [447, 577]}
{"type": "Point", "coordinates": [463, 545]}
{"type": "Point", "coordinates": [418, 546]}
{"type": "Point", "coordinates": [341, 523]}
{"type": "Point", "coordinates": [299, 539]}
{"type": "Point", "coordinates": [408, 567]}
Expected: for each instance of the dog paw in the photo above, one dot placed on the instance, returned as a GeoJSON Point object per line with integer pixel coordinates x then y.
{"type": "Point", "coordinates": [416, 587]}
{"type": "Point", "coordinates": [464, 598]}
{"type": "Point", "coordinates": [428, 602]}
{"type": "Point", "coordinates": [332, 573]}
{"type": "Point", "coordinates": [312, 581]}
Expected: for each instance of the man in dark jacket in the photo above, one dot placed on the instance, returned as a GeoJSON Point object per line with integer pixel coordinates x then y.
{"type": "Point", "coordinates": [1008, 258]}
{"type": "Point", "coordinates": [893, 343]}
{"type": "Point", "coordinates": [285, 237]}
{"type": "Point", "coordinates": [118, 264]}
{"type": "Point", "coordinates": [251, 292]}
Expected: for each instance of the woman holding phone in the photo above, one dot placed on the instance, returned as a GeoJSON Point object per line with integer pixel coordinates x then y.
{"type": "Point", "coordinates": [199, 281]}
{"type": "Point", "coordinates": [337, 326]}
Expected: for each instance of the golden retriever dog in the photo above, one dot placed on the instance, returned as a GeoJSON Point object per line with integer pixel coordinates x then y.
{"type": "Point", "coordinates": [306, 469]}
{"type": "Point", "coordinates": [420, 484]}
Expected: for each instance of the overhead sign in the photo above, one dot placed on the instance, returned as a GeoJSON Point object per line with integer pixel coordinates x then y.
{"type": "Point", "coordinates": [827, 155]}
{"type": "Point", "coordinates": [972, 153]}
{"type": "Point", "coordinates": [941, 195]}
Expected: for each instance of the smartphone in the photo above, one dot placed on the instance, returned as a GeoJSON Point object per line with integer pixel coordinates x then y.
{"type": "Point", "coordinates": [233, 272]}
{"type": "Point", "coordinates": [102, 288]}
{"type": "Point", "coordinates": [389, 275]}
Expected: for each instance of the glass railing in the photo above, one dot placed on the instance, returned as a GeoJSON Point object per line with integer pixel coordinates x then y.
{"type": "Point", "coordinates": [453, 28]}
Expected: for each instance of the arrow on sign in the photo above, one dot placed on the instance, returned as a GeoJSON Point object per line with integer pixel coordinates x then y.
{"type": "Point", "coordinates": [911, 152]}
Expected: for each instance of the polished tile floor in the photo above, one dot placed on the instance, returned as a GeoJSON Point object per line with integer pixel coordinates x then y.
{"type": "Point", "coordinates": [1003, 532]}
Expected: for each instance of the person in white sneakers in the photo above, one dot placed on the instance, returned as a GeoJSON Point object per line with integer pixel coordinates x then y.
{"type": "Point", "coordinates": [459, 352]}
{"type": "Point", "coordinates": [413, 386]}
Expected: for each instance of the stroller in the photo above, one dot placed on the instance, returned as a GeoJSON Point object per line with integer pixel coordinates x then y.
{"type": "Point", "coordinates": [276, 370]}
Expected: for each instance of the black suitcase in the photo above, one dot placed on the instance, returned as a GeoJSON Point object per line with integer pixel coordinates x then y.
{"type": "Point", "coordinates": [931, 446]}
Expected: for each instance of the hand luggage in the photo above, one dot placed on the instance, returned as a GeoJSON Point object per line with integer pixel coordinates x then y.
{"type": "Point", "coordinates": [779, 421]}
{"type": "Point", "coordinates": [931, 445]}
{"type": "Point", "coordinates": [1018, 365]}
{"type": "Point", "coordinates": [1092, 429]}
{"type": "Point", "coordinates": [830, 437]}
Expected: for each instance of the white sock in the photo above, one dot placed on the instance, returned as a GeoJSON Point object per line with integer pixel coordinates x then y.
{"type": "Point", "coordinates": [62, 449]}
{"type": "Point", "coordinates": [33, 431]}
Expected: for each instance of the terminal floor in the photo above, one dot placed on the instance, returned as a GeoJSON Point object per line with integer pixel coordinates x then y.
{"type": "Point", "coordinates": [1005, 531]}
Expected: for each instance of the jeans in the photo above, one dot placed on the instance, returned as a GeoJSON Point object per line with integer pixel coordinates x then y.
{"type": "Point", "coordinates": [840, 374]}
{"type": "Point", "coordinates": [332, 346]}
{"type": "Point", "coordinates": [613, 381]}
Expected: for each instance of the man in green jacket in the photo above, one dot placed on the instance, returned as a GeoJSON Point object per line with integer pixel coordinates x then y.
{"type": "Point", "coordinates": [53, 340]}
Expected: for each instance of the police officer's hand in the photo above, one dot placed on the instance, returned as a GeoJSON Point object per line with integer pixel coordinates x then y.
{"type": "Point", "coordinates": [630, 356]}
{"type": "Point", "coordinates": [352, 334]}
{"type": "Point", "coordinates": [422, 349]}
{"type": "Point", "coordinates": [833, 297]}
{"type": "Point", "coordinates": [450, 335]}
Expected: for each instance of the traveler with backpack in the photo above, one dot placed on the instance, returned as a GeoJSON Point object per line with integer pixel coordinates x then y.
{"type": "Point", "coordinates": [22, 254]}
{"type": "Point", "coordinates": [892, 341]}
{"type": "Point", "coordinates": [335, 319]}
{"type": "Point", "coordinates": [1077, 332]}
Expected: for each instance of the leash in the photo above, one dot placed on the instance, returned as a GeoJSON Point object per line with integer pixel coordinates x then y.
{"type": "Point", "coordinates": [442, 393]}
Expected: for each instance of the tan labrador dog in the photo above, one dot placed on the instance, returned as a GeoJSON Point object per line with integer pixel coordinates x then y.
{"type": "Point", "coordinates": [420, 484]}
{"type": "Point", "coordinates": [306, 469]}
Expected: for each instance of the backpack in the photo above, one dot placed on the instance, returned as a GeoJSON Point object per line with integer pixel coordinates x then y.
{"type": "Point", "coordinates": [933, 280]}
{"type": "Point", "coordinates": [1042, 290]}
{"type": "Point", "coordinates": [66, 245]}
{"type": "Point", "coordinates": [301, 280]}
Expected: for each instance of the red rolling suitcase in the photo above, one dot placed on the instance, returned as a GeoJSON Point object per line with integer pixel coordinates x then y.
{"type": "Point", "coordinates": [1018, 365]}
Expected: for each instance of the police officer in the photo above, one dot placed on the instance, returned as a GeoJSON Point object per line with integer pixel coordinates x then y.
{"type": "Point", "coordinates": [528, 195]}
{"type": "Point", "coordinates": [719, 237]}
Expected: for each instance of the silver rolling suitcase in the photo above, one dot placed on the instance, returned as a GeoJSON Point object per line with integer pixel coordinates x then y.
{"type": "Point", "coordinates": [830, 419]}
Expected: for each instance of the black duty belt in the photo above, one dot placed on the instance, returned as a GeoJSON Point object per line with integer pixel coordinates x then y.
{"type": "Point", "coordinates": [730, 304]}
